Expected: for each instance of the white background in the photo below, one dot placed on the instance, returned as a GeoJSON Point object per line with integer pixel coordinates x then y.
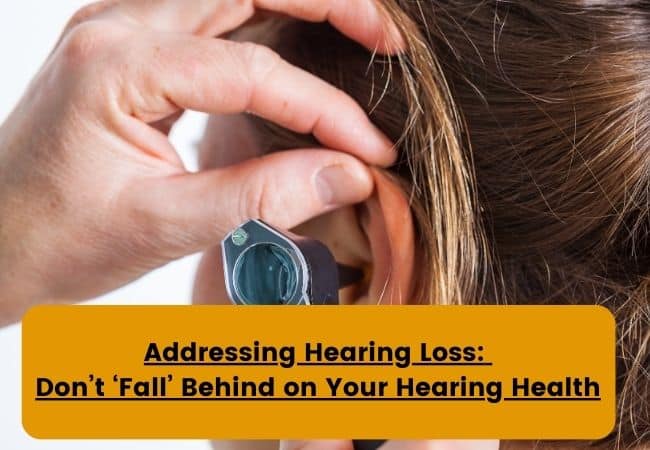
{"type": "Point", "coordinates": [28, 30]}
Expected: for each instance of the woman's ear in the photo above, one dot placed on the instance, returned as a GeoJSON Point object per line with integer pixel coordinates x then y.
{"type": "Point", "coordinates": [376, 236]}
{"type": "Point", "coordinates": [387, 222]}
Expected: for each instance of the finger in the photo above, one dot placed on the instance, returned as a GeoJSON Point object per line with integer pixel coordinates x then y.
{"type": "Point", "coordinates": [442, 445]}
{"type": "Point", "coordinates": [200, 17]}
{"type": "Point", "coordinates": [360, 20]}
{"type": "Point", "coordinates": [316, 445]}
{"type": "Point", "coordinates": [187, 213]}
{"type": "Point", "coordinates": [223, 77]}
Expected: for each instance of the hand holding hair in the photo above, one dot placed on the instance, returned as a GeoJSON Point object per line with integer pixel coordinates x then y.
{"type": "Point", "coordinates": [93, 195]}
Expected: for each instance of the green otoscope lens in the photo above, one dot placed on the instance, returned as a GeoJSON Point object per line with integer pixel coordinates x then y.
{"type": "Point", "coordinates": [265, 274]}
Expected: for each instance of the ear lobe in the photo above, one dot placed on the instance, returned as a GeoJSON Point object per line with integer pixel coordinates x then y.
{"type": "Point", "coordinates": [388, 223]}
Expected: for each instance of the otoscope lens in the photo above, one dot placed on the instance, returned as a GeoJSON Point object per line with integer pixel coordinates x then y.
{"type": "Point", "coordinates": [265, 274]}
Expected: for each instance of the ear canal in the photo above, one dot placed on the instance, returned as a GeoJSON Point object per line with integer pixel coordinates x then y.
{"type": "Point", "coordinates": [349, 275]}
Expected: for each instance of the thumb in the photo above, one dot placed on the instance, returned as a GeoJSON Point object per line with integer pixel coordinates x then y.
{"type": "Point", "coordinates": [187, 213]}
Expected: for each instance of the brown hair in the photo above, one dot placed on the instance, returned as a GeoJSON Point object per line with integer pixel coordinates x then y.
{"type": "Point", "coordinates": [524, 132]}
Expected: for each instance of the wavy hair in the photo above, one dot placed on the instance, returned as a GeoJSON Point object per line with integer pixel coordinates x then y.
{"type": "Point", "coordinates": [524, 137]}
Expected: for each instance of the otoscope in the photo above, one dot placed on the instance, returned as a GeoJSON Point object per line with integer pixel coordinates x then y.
{"type": "Point", "coordinates": [265, 266]}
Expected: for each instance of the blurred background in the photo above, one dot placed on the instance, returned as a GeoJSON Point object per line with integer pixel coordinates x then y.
{"type": "Point", "coordinates": [29, 29]}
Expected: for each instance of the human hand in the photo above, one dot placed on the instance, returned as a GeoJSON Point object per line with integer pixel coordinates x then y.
{"type": "Point", "coordinates": [92, 194]}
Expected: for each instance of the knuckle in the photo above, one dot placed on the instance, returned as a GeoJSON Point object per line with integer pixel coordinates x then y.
{"type": "Point", "coordinates": [255, 201]}
{"type": "Point", "coordinates": [257, 63]}
{"type": "Point", "coordinates": [259, 60]}
{"type": "Point", "coordinates": [85, 42]}
{"type": "Point", "coordinates": [85, 13]}
{"type": "Point", "coordinates": [251, 200]}
{"type": "Point", "coordinates": [82, 42]}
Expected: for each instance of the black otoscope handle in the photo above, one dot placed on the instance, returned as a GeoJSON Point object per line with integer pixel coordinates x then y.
{"type": "Point", "coordinates": [367, 444]}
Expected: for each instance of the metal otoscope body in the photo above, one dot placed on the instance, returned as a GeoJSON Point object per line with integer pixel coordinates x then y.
{"type": "Point", "coordinates": [265, 266]}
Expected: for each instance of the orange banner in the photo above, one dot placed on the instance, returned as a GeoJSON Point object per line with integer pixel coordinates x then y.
{"type": "Point", "coordinates": [525, 372]}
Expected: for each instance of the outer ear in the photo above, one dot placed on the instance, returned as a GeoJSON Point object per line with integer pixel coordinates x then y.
{"type": "Point", "coordinates": [388, 223]}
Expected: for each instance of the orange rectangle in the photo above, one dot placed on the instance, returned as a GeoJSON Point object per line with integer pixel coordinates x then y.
{"type": "Point", "coordinates": [515, 372]}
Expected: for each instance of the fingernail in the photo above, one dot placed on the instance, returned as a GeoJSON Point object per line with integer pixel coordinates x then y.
{"type": "Point", "coordinates": [394, 41]}
{"type": "Point", "coordinates": [378, 149]}
{"type": "Point", "coordinates": [337, 186]}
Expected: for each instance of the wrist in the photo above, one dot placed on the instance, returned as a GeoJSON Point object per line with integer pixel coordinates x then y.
{"type": "Point", "coordinates": [21, 285]}
{"type": "Point", "coordinates": [18, 291]}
